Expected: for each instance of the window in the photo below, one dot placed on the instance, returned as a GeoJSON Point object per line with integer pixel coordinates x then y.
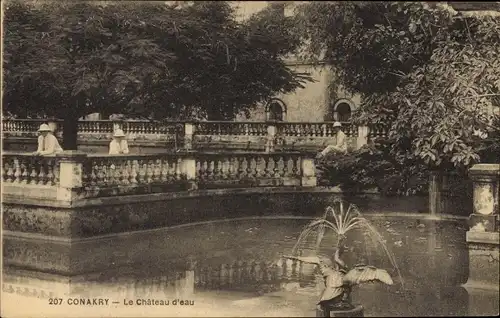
{"type": "Point", "coordinates": [276, 110]}
{"type": "Point", "coordinates": [342, 110]}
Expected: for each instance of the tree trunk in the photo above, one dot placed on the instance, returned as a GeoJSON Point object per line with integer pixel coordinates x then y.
{"type": "Point", "coordinates": [70, 130]}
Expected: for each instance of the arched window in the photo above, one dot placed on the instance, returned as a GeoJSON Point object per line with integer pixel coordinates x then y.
{"type": "Point", "coordinates": [342, 110]}
{"type": "Point", "coordinates": [276, 110]}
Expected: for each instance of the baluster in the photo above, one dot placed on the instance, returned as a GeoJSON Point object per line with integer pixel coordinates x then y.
{"type": "Point", "coordinates": [288, 268]}
{"type": "Point", "coordinates": [242, 171]}
{"type": "Point", "coordinates": [251, 130]}
{"type": "Point", "coordinates": [41, 172]}
{"type": "Point", "coordinates": [269, 167]}
{"type": "Point", "coordinates": [134, 172]}
{"type": "Point", "coordinates": [142, 172]}
{"type": "Point", "coordinates": [102, 178]}
{"type": "Point", "coordinates": [233, 168]}
{"type": "Point", "coordinates": [109, 172]}
{"type": "Point", "coordinates": [118, 172]}
{"type": "Point", "coordinates": [17, 171]}
{"type": "Point", "coordinates": [264, 272]}
{"type": "Point", "coordinates": [204, 170]}
{"type": "Point", "coordinates": [126, 173]}
{"type": "Point", "coordinates": [295, 166]}
{"type": "Point", "coordinates": [230, 275]}
{"type": "Point", "coordinates": [149, 172]}
{"type": "Point", "coordinates": [157, 171]}
{"type": "Point", "coordinates": [50, 172]}
{"type": "Point", "coordinates": [211, 169]}
{"type": "Point", "coordinates": [226, 164]}
{"type": "Point", "coordinates": [328, 130]}
{"type": "Point", "coordinates": [33, 175]}
{"type": "Point", "coordinates": [294, 269]}
{"type": "Point", "coordinates": [199, 168]}
{"type": "Point", "coordinates": [276, 169]}
{"type": "Point", "coordinates": [93, 175]}
{"type": "Point", "coordinates": [241, 272]}
{"type": "Point", "coordinates": [282, 167]}
{"type": "Point", "coordinates": [164, 173]}
{"type": "Point", "coordinates": [9, 174]}
{"type": "Point", "coordinates": [252, 271]}
{"type": "Point", "coordinates": [178, 171]}
{"type": "Point", "coordinates": [256, 164]}
{"type": "Point", "coordinates": [24, 174]}
{"type": "Point", "coordinates": [280, 269]}
{"type": "Point", "coordinates": [219, 172]}
{"type": "Point", "coordinates": [223, 275]}
{"type": "Point", "coordinates": [250, 167]}
{"type": "Point", "coordinates": [217, 277]}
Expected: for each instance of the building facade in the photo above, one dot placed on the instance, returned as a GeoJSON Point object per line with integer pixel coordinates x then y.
{"type": "Point", "coordinates": [313, 103]}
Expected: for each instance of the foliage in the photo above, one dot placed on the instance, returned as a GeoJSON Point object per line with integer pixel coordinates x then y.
{"type": "Point", "coordinates": [373, 167]}
{"type": "Point", "coordinates": [69, 59]}
{"type": "Point", "coordinates": [425, 72]}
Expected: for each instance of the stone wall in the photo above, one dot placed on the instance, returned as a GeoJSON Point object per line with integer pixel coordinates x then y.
{"type": "Point", "coordinates": [36, 236]}
{"type": "Point", "coordinates": [314, 102]}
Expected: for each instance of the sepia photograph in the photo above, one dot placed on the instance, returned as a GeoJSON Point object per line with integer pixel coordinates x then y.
{"type": "Point", "coordinates": [250, 159]}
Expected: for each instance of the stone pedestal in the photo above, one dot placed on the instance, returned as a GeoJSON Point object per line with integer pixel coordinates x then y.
{"type": "Point", "coordinates": [188, 135]}
{"type": "Point", "coordinates": [308, 173]}
{"type": "Point", "coordinates": [483, 235]}
{"type": "Point", "coordinates": [70, 175]}
{"type": "Point", "coordinates": [357, 311]}
{"type": "Point", "coordinates": [271, 137]}
{"type": "Point", "coordinates": [362, 138]}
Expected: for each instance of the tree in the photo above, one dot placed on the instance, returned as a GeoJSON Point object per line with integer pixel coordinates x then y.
{"type": "Point", "coordinates": [426, 73]}
{"type": "Point", "coordinates": [148, 60]}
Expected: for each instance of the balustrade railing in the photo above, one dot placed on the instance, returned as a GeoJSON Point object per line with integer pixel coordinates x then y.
{"type": "Point", "coordinates": [269, 136]}
{"type": "Point", "coordinates": [214, 169]}
{"type": "Point", "coordinates": [29, 127]}
{"type": "Point", "coordinates": [91, 175]}
{"type": "Point", "coordinates": [95, 126]}
{"type": "Point", "coordinates": [231, 128]}
{"type": "Point", "coordinates": [23, 127]}
{"type": "Point", "coordinates": [322, 129]}
{"type": "Point", "coordinates": [121, 174]}
{"type": "Point", "coordinates": [22, 168]}
{"type": "Point", "coordinates": [378, 131]}
{"type": "Point", "coordinates": [252, 274]}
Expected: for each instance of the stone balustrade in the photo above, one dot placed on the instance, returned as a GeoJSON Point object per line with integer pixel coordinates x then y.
{"type": "Point", "coordinates": [252, 274]}
{"type": "Point", "coordinates": [202, 135]}
{"type": "Point", "coordinates": [22, 168]}
{"type": "Point", "coordinates": [72, 175]}
{"type": "Point", "coordinates": [231, 128]}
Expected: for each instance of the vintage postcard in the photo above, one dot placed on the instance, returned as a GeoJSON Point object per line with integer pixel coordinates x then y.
{"type": "Point", "coordinates": [250, 158]}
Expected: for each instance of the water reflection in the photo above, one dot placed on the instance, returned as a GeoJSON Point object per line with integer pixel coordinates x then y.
{"type": "Point", "coordinates": [228, 262]}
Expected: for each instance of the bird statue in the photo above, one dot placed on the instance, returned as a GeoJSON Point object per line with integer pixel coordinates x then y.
{"type": "Point", "coordinates": [339, 281]}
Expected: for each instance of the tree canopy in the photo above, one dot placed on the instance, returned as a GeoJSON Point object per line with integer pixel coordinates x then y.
{"type": "Point", "coordinates": [427, 73]}
{"type": "Point", "coordinates": [149, 59]}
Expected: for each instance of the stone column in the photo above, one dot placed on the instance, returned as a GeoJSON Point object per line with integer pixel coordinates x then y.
{"type": "Point", "coordinates": [362, 136]}
{"type": "Point", "coordinates": [70, 175]}
{"type": "Point", "coordinates": [483, 235]}
{"type": "Point", "coordinates": [188, 169]}
{"type": "Point", "coordinates": [271, 137]}
{"type": "Point", "coordinates": [308, 168]}
{"type": "Point", "coordinates": [189, 130]}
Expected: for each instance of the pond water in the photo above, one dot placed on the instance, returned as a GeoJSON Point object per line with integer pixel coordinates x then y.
{"type": "Point", "coordinates": [237, 270]}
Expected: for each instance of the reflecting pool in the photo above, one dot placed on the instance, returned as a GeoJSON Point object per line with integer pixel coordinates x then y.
{"type": "Point", "coordinates": [235, 268]}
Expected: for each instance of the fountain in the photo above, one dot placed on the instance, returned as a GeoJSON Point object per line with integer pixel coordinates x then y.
{"type": "Point", "coordinates": [339, 279]}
